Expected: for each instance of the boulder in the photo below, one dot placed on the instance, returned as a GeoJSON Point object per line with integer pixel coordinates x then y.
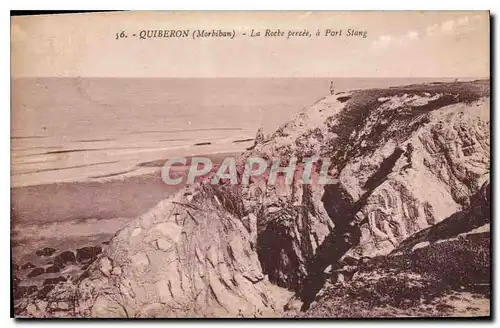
{"type": "Point", "coordinates": [88, 254]}
{"type": "Point", "coordinates": [47, 251]}
{"type": "Point", "coordinates": [65, 258]}
{"type": "Point", "coordinates": [42, 293]}
{"type": "Point", "coordinates": [54, 281]}
{"type": "Point", "coordinates": [36, 272]}
{"type": "Point", "coordinates": [53, 269]}
{"type": "Point", "coordinates": [23, 291]}
{"type": "Point", "coordinates": [27, 266]}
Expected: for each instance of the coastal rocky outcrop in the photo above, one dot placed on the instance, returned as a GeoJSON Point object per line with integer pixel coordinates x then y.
{"type": "Point", "coordinates": [443, 270]}
{"type": "Point", "coordinates": [411, 166]}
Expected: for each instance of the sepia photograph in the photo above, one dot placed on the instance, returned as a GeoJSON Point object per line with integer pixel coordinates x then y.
{"type": "Point", "coordinates": [250, 164]}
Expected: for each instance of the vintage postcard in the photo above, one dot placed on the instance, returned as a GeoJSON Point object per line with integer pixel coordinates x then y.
{"type": "Point", "coordinates": [251, 164]}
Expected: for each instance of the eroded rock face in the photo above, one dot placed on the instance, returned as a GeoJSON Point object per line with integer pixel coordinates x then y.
{"type": "Point", "coordinates": [448, 163]}
{"type": "Point", "coordinates": [406, 159]}
{"type": "Point", "coordinates": [440, 271]}
{"type": "Point", "coordinates": [192, 263]}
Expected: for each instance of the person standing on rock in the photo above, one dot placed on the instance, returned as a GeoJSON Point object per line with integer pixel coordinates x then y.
{"type": "Point", "coordinates": [332, 88]}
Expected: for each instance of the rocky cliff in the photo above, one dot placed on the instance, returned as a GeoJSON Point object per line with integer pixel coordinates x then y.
{"type": "Point", "coordinates": [406, 158]}
{"type": "Point", "coordinates": [443, 270]}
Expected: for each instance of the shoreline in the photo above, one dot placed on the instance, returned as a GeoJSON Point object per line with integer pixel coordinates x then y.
{"type": "Point", "coordinates": [72, 214]}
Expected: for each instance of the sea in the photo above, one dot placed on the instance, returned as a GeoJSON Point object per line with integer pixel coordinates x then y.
{"type": "Point", "coordinates": [75, 129]}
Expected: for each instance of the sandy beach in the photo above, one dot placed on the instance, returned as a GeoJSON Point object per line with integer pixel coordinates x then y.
{"type": "Point", "coordinates": [69, 215]}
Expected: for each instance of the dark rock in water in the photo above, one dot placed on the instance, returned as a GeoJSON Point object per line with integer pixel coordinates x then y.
{"type": "Point", "coordinates": [28, 266]}
{"type": "Point", "coordinates": [22, 291]}
{"type": "Point", "coordinates": [42, 293]}
{"type": "Point", "coordinates": [88, 254]}
{"type": "Point", "coordinates": [15, 267]}
{"type": "Point", "coordinates": [47, 251]}
{"type": "Point", "coordinates": [54, 281]}
{"type": "Point", "coordinates": [343, 99]}
{"type": "Point", "coordinates": [202, 143]}
{"type": "Point", "coordinates": [36, 272]}
{"type": "Point", "coordinates": [65, 258]}
{"type": "Point", "coordinates": [31, 289]}
{"type": "Point", "coordinates": [19, 292]}
{"type": "Point", "coordinates": [53, 269]}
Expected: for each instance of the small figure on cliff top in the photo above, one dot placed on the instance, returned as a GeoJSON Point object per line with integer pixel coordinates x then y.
{"type": "Point", "coordinates": [332, 88]}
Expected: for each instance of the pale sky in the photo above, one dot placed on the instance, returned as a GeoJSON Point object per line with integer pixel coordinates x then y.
{"type": "Point", "coordinates": [398, 44]}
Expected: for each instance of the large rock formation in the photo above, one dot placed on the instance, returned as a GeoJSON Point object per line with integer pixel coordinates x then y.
{"type": "Point", "coordinates": [443, 270]}
{"type": "Point", "coordinates": [406, 158]}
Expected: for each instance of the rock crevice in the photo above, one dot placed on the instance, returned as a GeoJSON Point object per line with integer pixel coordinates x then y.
{"type": "Point", "coordinates": [406, 158]}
